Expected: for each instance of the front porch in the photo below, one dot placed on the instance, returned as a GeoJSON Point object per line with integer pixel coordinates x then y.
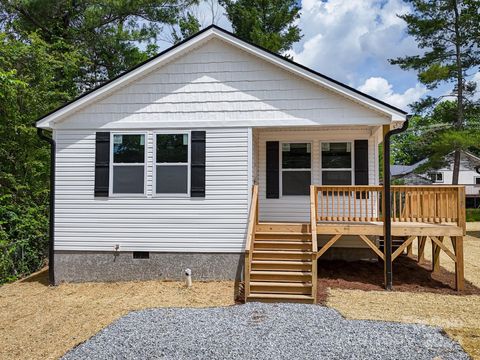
{"type": "Point", "coordinates": [281, 258]}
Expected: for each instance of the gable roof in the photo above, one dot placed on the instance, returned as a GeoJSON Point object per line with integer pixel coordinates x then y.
{"type": "Point", "coordinates": [402, 170]}
{"type": "Point", "coordinates": [202, 36]}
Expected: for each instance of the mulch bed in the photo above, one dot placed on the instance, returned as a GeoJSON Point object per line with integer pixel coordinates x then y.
{"type": "Point", "coordinates": [408, 276]}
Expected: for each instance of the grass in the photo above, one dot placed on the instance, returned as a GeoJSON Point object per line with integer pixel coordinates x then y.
{"type": "Point", "coordinates": [473, 215]}
{"type": "Point", "coordinates": [42, 322]}
{"type": "Point", "coordinates": [458, 315]}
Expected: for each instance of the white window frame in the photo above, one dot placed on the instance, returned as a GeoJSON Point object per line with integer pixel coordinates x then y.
{"type": "Point", "coordinates": [111, 164]}
{"type": "Point", "coordinates": [352, 162]}
{"type": "Point", "coordinates": [475, 178]}
{"type": "Point", "coordinates": [188, 164]}
{"type": "Point", "coordinates": [436, 173]}
{"type": "Point", "coordinates": [303, 169]}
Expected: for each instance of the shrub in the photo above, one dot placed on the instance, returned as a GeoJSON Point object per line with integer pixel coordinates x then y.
{"type": "Point", "coordinates": [473, 215]}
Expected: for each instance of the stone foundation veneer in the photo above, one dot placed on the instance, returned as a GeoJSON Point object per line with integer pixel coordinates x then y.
{"type": "Point", "coordinates": [83, 266]}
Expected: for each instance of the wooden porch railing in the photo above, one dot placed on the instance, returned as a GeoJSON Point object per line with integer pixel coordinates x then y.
{"type": "Point", "coordinates": [252, 224]}
{"type": "Point", "coordinates": [427, 204]}
{"type": "Point", "coordinates": [348, 203]}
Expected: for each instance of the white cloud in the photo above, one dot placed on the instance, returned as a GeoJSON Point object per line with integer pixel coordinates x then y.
{"type": "Point", "coordinates": [380, 88]}
{"type": "Point", "coordinates": [346, 39]}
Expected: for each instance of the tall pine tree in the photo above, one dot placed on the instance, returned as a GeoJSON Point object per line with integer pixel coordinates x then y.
{"type": "Point", "coordinates": [449, 33]}
{"type": "Point", "coordinates": [267, 23]}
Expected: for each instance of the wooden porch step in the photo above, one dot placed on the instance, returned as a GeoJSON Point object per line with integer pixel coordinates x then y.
{"type": "Point", "coordinates": [282, 236]}
{"type": "Point", "coordinates": [280, 287]}
{"type": "Point", "coordinates": [281, 265]}
{"type": "Point", "coordinates": [281, 255]}
{"type": "Point", "coordinates": [283, 227]}
{"type": "Point", "coordinates": [280, 276]}
{"type": "Point", "coordinates": [283, 245]}
{"type": "Point", "coordinates": [266, 297]}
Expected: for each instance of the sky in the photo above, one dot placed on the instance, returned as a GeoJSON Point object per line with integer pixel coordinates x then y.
{"type": "Point", "coordinates": [352, 41]}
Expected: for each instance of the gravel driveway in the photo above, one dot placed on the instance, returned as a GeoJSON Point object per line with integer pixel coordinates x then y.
{"type": "Point", "coordinates": [262, 331]}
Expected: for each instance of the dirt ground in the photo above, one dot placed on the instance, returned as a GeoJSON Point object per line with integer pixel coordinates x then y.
{"type": "Point", "coordinates": [417, 296]}
{"type": "Point", "coordinates": [42, 322]}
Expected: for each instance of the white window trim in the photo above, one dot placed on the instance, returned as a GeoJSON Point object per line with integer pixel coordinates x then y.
{"type": "Point", "coordinates": [111, 165]}
{"type": "Point", "coordinates": [433, 177]}
{"type": "Point", "coordinates": [352, 154]}
{"type": "Point", "coordinates": [188, 164]}
{"type": "Point", "coordinates": [303, 169]}
{"type": "Point", "coordinates": [475, 178]}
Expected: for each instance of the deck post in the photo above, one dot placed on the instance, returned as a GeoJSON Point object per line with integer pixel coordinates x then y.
{"type": "Point", "coordinates": [410, 250]}
{"type": "Point", "coordinates": [459, 266]}
{"type": "Point", "coordinates": [436, 256]}
{"type": "Point", "coordinates": [421, 248]}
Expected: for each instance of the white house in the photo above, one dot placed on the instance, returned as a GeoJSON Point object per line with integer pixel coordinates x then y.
{"type": "Point", "coordinates": [469, 176]}
{"type": "Point", "coordinates": [154, 169]}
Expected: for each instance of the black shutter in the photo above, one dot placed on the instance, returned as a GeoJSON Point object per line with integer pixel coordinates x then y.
{"type": "Point", "coordinates": [361, 162]}
{"type": "Point", "coordinates": [273, 168]}
{"type": "Point", "coordinates": [102, 163]}
{"type": "Point", "coordinates": [197, 169]}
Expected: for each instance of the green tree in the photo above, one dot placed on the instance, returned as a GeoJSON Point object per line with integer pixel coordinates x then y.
{"type": "Point", "coordinates": [34, 77]}
{"type": "Point", "coordinates": [267, 23]}
{"type": "Point", "coordinates": [106, 32]}
{"type": "Point", "coordinates": [449, 33]}
{"type": "Point", "coordinates": [432, 136]}
{"type": "Point", "coordinates": [50, 51]}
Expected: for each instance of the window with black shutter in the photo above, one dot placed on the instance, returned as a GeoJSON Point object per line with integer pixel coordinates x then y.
{"type": "Point", "coordinates": [172, 160]}
{"type": "Point", "coordinates": [128, 164]}
{"type": "Point", "coordinates": [336, 163]}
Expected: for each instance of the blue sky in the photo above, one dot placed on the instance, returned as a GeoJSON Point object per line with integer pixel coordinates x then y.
{"type": "Point", "coordinates": [351, 41]}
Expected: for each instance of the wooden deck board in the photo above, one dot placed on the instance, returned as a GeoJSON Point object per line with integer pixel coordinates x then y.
{"type": "Point", "coordinates": [398, 228]}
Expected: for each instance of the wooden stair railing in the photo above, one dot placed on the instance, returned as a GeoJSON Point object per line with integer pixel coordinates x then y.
{"type": "Point", "coordinates": [252, 224]}
{"type": "Point", "coordinates": [313, 230]}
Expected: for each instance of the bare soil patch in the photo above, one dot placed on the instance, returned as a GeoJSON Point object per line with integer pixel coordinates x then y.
{"type": "Point", "coordinates": [408, 276]}
{"type": "Point", "coordinates": [419, 295]}
{"type": "Point", "coordinates": [38, 321]}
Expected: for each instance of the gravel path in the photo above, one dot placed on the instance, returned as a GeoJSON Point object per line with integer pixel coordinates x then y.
{"type": "Point", "coordinates": [262, 331]}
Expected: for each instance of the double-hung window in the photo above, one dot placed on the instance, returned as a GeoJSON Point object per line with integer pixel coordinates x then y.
{"type": "Point", "coordinates": [128, 165]}
{"type": "Point", "coordinates": [337, 163]}
{"type": "Point", "coordinates": [172, 163]}
{"type": "Point", "coordinates": [296, 168]}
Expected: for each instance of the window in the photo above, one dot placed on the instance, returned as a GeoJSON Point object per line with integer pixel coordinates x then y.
{"type": "Point", "coordinates": [172, 158]}
{"type": "Point", "coordinates": [128, 165]}
{"type": "Point", "coordinates": [436, 177]}
{"type": "Point", "coordinates": [296, 168]}
{"type": "Point", "coordinates": [477, 180]}
{"type": "Point", "coordinates": [337, 163]}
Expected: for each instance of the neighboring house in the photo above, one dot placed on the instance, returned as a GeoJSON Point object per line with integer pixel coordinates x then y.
{"type": "Point", "coordinates": [154, 169]}
{"type": "Point", "coordinates": [469, 176]}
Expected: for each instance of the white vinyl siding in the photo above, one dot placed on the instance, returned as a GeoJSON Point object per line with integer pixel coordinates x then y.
{"type": "Point", "coordinates": [297, 208]}
{"type": "Point", "coordinates": [218, 85]}
{"type": "Point", "coordinates": [216, 223]}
